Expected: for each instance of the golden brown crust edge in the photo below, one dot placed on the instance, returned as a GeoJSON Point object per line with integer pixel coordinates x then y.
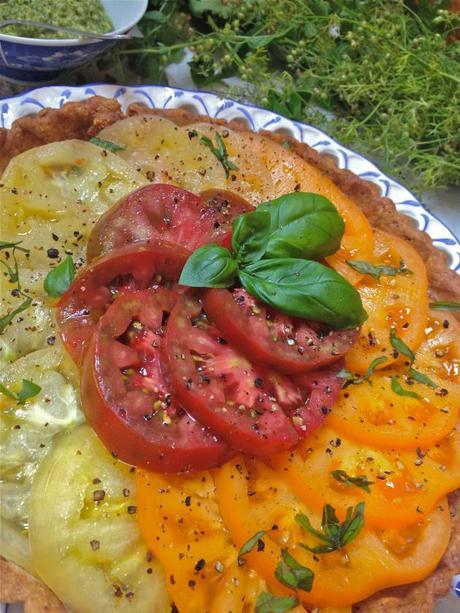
{"type": "Point", "coordinates": [85, 119]}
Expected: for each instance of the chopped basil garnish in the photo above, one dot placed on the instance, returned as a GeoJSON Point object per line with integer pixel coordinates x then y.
{"type": "Point", "coordinates": [220, 151]}
{"type": "Point", "coordinates": [292, 574]}
{"type": "Point", "coordinates": [366, 268]}
{"type": "Point", "coordinates": [8, 318]}
{"type": "Point", "coordinates": [362, 481]}
{"type": "Point", "coordinates": [421, 378]}
{"type": "Point", "coordinates": [13, 277]}
{"type": "Point", "coordinates": [445, 305]}
{"type": "Point", "coordinates": [29, 389]}
{"type": "Point", "coordinates": [59, 279]}
{"type": "Point", "coordinates": [352, 379]}
{"type": "Point", "coordinates": [334, 534]}
{"type": "Point", "coordinates": [398, 389]}
{"type": "Point", "coordinates": [400, 346]}
{"type": "Point", "coordinates": [251, 543]}
{"type": "Point", "coordinates": [107, 144]}
{"type": "Point", "coordinates": [269, 603]}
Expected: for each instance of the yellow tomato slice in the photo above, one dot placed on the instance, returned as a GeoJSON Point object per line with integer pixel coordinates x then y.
{"type": "Point", "coordinates": [267, 170]}
{"type": "Point", "coordinates": [252, 498]}
{"type": "Point", "coordinates": [399, 302]}
{"type": "Point", "coordinates": [374, 414]}
{"type": "Point", "coordinates": [405, 484]}
{"type": "Point", "coordinates": [180, 520]}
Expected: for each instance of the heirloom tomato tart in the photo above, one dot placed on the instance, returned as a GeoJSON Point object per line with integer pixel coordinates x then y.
{"type": "Point", "coordinates": [229, 375]}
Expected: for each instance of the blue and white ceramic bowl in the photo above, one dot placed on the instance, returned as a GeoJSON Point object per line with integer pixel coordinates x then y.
{"type": "Point", "coordinates": [40, 59]}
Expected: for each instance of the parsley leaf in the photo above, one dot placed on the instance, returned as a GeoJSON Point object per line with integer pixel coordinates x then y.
{"type": "Point", "coordinates": [361, 481]}
{"type": "Point", "coordinates": [28, 389]}
{"type": "Point", "coordinates": [220, 151]}
{"type": "Point", "coordinates": [400, 346]}
{"type": "Point", "coordinates": [445, 305]}
{"type": "Point", "coordinates": [107, 144]}
{"type": "Point", "coordinates": [292, 574]}
{"type": "Point", "coordinates": [269, 603]}
{"type": "Point", "coordinates": [59, 278]}
{"type": "Point", "coordinates": [251, 543]}
{"type": "Point", "coordinates": [366, 268]}
{"type": "Point", "coordinates": [398, 389]}
{"type": "Point", "coordinates": [333, 533]}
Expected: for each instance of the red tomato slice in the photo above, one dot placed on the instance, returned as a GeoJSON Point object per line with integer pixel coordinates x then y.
{"type": "Point", "coordinates": [264, 335]}
{"type": "Point", "coordinates": [242, 403]}
{"type": "Point", "coordinates": [126, 397]}
{"type": "Point", "coordinates": [126, 269]}
{"type": "Point", "coordinates": [165, 212]}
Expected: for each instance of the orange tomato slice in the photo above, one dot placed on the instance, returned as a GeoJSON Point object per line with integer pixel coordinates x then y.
{"type": "Point", "coordinates": [373, 414]}
{"type": "Point", "coordinates": [399, 302]}
{"type": "Point", "coordinates": [405, 484]}
{"type": "Point", "coordinates": [180, 521]}
{"type": "Point", "coordinates": [252, 497]}
{"type": "Point", "coordinates": [267, 170]}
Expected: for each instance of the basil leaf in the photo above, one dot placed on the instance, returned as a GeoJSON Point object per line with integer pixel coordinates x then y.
{"type": "Point", "coordinates": [303, 521]}
{"type": "Point", "coordinates": [353, 524]}
{"type": "Point", "coordinates": [249, 239]}
{"type": "Point", "coordinates": [366, 268]}
{"type": "Point", "coordinates": [401, 346]}
{"type": "Point", "coordinates": [397, 389]}
{"type": "Point", "coordinates": [334, 534]}
{"type": "Point", "coordinates": [305, 289]}
{"type": "Point", "coordinates": [251, 543]}
{"type": "Point", "coordinates": [302, 225]}
{"type": "Point", "coordinates": [342, 477]}
{"type": "Point", "coordinates": [8, 318]}
{"type": "Point", "coordinates": [421, 378]}
{"type": "Point", "coordinates": [210, 266]}
{"type": "Point", "coordinates": [59, 279]}
{"type": "Point", "coordinates": [445, 305]}
{"type": "Point", "coordinates": [28, 390]}
{"type": "Point", "coordinates": [220, 151]}
{"type": "Point", "coordinates": [107, 144]}
{"type": "Point", "coordinates": [6, 392]}
{"type": "Point", "coordinates": [292, 574]}
{"type": "Point", "coordinates": [269, 603]}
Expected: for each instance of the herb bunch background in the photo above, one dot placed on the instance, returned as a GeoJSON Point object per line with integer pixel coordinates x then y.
{"type": "Point", "coordinates": [382, 69]}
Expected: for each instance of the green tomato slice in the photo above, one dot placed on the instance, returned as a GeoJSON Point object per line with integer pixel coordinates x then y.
{"type": "Point", "coordinates": [85, 541]}
{"type": "Point", "coordinates": [26, 434]}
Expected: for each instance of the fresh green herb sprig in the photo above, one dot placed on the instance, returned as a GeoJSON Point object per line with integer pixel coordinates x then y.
{"type": "Point", "coordinates": [59, 278]}
{"type": "Point", "coordinates": [353, 379]}
{"type": "Point", "coordinates": [107, 144]}
{"type": "Point", "coordinates": [220, 151]}
{"type": "Point", "coordinates": [270, 603]}
{"type": "Point", "coordinates": [362, 481]}
{"type": "Point", "coordinates": [334, 534]}
{"type": "Point", "coordinates": [366, 268]}
{"type": "Point", "coordinates": [269, 250]}
{"type": "Point", "coordinates": [28, 389]}
{"type": "Point", "coordinates": [12, 273]}
{"type": "Point", "coordinates": [302, 56]}
{"type": "Point", "coordinates": [445, 305]}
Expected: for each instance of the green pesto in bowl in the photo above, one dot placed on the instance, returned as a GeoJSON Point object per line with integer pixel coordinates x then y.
{"type": "Point", "coordinates": [79, 14]}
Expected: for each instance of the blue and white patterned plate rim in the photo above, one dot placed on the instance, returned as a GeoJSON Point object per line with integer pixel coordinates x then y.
{"type": "Point", "coordinates": [158, 96]}
{"type": "Point", "coordinates": [207, 103]}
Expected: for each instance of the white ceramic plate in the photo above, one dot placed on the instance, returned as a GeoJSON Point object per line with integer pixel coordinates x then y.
{"type": "Point", "coordinates": [205, 103]}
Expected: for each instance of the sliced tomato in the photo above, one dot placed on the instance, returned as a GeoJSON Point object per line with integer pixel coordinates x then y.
{"type": "Point", "coordinates": [252, 498]}
{"type": "Point", "coordinates": [405, 485]}
{"type": "Point", "coordinates": [264, 335]}
{"type": "Point", "coordinates": [375, 414]}
{"type": "Point", "coordinates": [126, 397]}
{"type": "Point", "coordinates": [244, 404]}
{"type": "Point", "coordinates": [180, 520]}
{"type": "Point", "coordinates": [166, 212]}
{"type": "Point", "coordinates": [126, 269]}
{"type": "Point", "coordinates": [397, 302]}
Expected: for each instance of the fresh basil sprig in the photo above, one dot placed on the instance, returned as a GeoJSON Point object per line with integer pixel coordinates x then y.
{"type": "Point", "coordinates": [397, 388]}
{"type": "Point", "coordinates": [297, 225]}
{"type": "Point", "coordinates": [249, 545]}
{"type": "Point", "coordinates": [270, 603]}
{"type": "Point", "coordinates": [220, 151]}
{"type": "Point", "coordinates": [292, 574]}
{"type": "Point", "coordinates": [421, 378]}
{"type": "Point", "coordinates": [306, 289]}
{"type": "Point", "coordinates": [58, 279]}
{"type": "Point", "coordinates": [400, 346]}
{"type": "Point", "coordinates": [352, 379]}
{"type": "Point", "coordinates": [270, 247]}
{"type": "Point", "coordinates": [28, 389]}
{"type": "Point", "coordinates": [334, 534]}
{"type": "Point", "coordinates": [362, 481]}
